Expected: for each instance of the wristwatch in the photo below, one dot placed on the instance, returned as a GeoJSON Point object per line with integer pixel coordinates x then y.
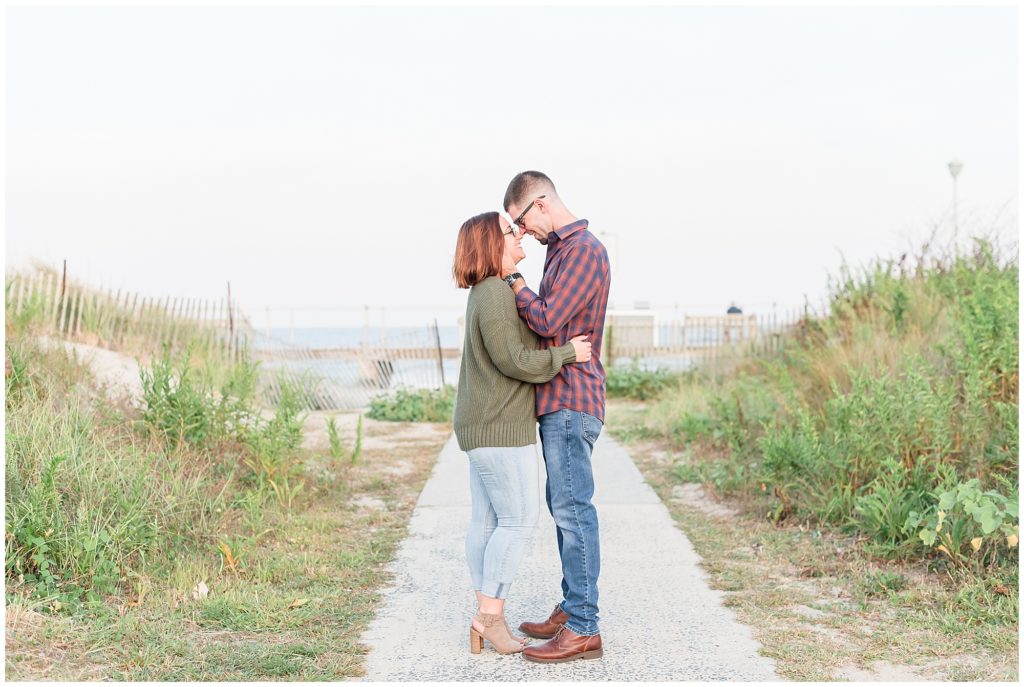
{"type": "Point", "coordinates": [511, 279]}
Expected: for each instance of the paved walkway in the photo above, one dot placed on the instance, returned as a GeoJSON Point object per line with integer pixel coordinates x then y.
{"type": "Point", "coordinates": [659, 619]}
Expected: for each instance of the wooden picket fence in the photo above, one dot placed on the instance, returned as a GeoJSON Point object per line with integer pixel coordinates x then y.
{"type": "Point", "coordinates": [696, 340]}
{"type": "Point", "coordinates": [343, 378]}
{"type": "Point", "coordinates": [123, 320]}
{"type": "Point", "coordinates": [346, 376]}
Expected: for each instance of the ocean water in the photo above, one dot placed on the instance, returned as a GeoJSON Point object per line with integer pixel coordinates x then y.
{"type": "Point", "coordinates": [351, 337]}
{"type": "Point", "coordinates": [348, 383]}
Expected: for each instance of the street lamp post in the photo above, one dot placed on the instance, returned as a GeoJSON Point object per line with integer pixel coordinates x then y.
{"type": "Point", "coordinates": [954, 169]}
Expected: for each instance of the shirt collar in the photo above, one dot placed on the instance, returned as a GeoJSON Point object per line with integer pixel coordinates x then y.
{"type": "Point", "coordinates": [568, 230]}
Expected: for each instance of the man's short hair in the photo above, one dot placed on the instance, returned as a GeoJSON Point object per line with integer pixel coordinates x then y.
{"type": "Point", "coordinates": [525, 184]}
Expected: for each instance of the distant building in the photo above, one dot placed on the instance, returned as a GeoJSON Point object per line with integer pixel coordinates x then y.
{"type": "Point", "coordinates": [733, 329]}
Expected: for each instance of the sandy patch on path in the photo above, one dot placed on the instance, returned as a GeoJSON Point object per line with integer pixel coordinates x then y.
{"type": "Point", "coordinates": [376, 434]}
{"type": "Point", "coordinates": [880, 671]}
{"type": "Point", "coordinates": [695, 496]}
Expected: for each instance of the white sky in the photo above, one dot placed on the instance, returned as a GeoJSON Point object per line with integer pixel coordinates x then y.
{"type": "Point", "coordinates": [324, 157]}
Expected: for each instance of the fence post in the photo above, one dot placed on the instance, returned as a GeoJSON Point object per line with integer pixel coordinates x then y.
{"type": "Point", "coordinates": [440, 354]}
{"type": "Point", "coordinates": [63, 289]}
{"type": "Point", "coordinates": [130, 316]}
{"type": "Point", "coordinates": [65, 311]}
{"type": "Point", "coordinates": [79, 305]}
{"type": "Point", "coordinates": [231, 318]}
{"type": "Point", "coordinates": [50, 300]}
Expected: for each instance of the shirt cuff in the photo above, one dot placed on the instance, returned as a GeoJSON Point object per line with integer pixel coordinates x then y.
{"type": "Point", "coordinates": [566, 353]}
{"type": "Point", "coordinates": [524, 298]}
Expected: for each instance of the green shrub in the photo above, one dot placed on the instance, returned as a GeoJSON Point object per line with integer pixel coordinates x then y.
{"type": "Point", "coordinates": [972, 527]}
{"type": "Point", "coordinates": [271, 448]}
{"type": "Point", "coordinates": [177, 407]}
{"type": "Point", "coordinates": [636, 382]}
{"type": "Point", "coordinates": [88, 501]}
{"type": "Point", "coordinates": [692, 426]}
{"type": "Point", "coordinates": [881, 509]}
{"type": "Point", "coordinates": [906, 392]}
{"type": "Point", "coordinates": [422, 405]}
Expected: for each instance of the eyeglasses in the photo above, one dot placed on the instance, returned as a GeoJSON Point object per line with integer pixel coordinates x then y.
{"type": "Point", "coordinates": [518, 220]}
{"type": "Point", "coordinates": [512, 229]}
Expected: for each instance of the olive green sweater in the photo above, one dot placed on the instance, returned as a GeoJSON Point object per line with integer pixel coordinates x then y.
{"type": "Point", "coordinates": [501, 361]}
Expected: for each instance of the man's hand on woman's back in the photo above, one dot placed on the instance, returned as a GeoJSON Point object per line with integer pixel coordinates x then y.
{"type": "Point", "coordinates": [582, 347]}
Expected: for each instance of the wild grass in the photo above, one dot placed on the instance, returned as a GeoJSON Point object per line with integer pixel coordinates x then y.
{"type": "Point", "coordinates": [96, 498]}
{"type": "Point", "coordinates": [894, 417]}
{"type": "Point", "coordinates": [191, 537]}
{"type": "Point", "coordinates": [819, 601]}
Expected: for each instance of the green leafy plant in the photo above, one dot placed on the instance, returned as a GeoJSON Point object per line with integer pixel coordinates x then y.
{"type": "Point", "coordinates": [271, 446]}
{"type": "Point", "coordinates": [972, 527]}
{"type": "Point", "coordinates": [883, 582]}
{"type": "Point", "coordinates": [357, 450]}
{"type": "Point", "coordinates": [637, 382]}
{"type": "Point", "coordinates": [423, 405]}
{"type": "Point", "coordinates": [333, 439]}
{"type": "Point", "coordinates": [177, 405]}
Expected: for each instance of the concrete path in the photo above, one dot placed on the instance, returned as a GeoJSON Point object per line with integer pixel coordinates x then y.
{"type": "Point", "coordinates": [659, 619]}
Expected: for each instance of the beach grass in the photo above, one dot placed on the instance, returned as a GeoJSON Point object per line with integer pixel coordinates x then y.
{"type": "Point", "coordinates": [877, 453]}
{"type": "Point", "coordinates": [196, 536]}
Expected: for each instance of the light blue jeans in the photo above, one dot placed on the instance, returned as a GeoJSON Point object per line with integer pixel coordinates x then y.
{"type": "Point", "coordinates": [503, 482]}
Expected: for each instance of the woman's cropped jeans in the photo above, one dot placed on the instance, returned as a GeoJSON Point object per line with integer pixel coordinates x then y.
{"type": "Point", "coordinates": [503, 482]}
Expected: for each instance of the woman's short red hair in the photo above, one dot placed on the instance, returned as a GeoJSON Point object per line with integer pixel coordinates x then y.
{"type": "Point", "coordinates": [478, 250]}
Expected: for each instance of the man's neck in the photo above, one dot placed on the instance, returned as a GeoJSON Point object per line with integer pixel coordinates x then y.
{"type": "Point", "coordinates": [563, 219]}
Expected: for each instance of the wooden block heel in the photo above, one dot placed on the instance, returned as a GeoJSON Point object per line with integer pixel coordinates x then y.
{"type": "Point", "coordinates": [495, 630]}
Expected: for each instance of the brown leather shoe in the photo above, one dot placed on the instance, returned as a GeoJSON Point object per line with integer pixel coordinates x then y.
{"type": "Point", "coordinates": [548, 628]}
{"type": "Point", "coordinates": [566, 645]}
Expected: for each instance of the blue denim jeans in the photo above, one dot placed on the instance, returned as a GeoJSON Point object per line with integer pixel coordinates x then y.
{"type": "Point", "coordinates": [568, 438]}
{"type": "Point", "coordinates": [503, 485]}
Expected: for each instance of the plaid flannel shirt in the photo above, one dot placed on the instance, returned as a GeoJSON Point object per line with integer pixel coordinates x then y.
{"type": "Point", "coordinates": [572, 300]}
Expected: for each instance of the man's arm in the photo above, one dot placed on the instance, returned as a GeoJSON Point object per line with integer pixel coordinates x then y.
{"type": "Point", "coordinates": [581, 276]}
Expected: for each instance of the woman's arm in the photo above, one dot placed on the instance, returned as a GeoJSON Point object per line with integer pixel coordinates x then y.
{"type": "Point", "coordinates": [499, 328]}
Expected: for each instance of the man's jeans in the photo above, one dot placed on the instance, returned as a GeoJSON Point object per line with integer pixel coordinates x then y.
{"type": "Point", "coordinates": [568, 438]}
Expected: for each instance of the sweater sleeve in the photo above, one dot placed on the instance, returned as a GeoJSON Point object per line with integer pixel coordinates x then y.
{"type": "Point", "coordinates": [500, 331]}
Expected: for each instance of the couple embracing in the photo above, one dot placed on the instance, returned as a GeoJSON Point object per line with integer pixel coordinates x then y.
{"type": "Point", "coordinates": [532, 357]}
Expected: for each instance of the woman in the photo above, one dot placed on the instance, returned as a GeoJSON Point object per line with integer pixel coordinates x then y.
{"type": "Point", "coordinates": [495, 419]}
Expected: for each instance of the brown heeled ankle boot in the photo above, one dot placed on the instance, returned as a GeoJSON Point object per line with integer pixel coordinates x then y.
{"type": "Point", "coordinates": [495, 630]}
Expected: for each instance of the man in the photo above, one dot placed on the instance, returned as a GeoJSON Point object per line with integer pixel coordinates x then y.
{"type": "Point", "coordinates": [571, 300]}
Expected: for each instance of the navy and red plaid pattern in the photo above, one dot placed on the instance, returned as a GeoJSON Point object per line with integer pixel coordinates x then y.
{"type": "Point", "coordinates": [572, 300]}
